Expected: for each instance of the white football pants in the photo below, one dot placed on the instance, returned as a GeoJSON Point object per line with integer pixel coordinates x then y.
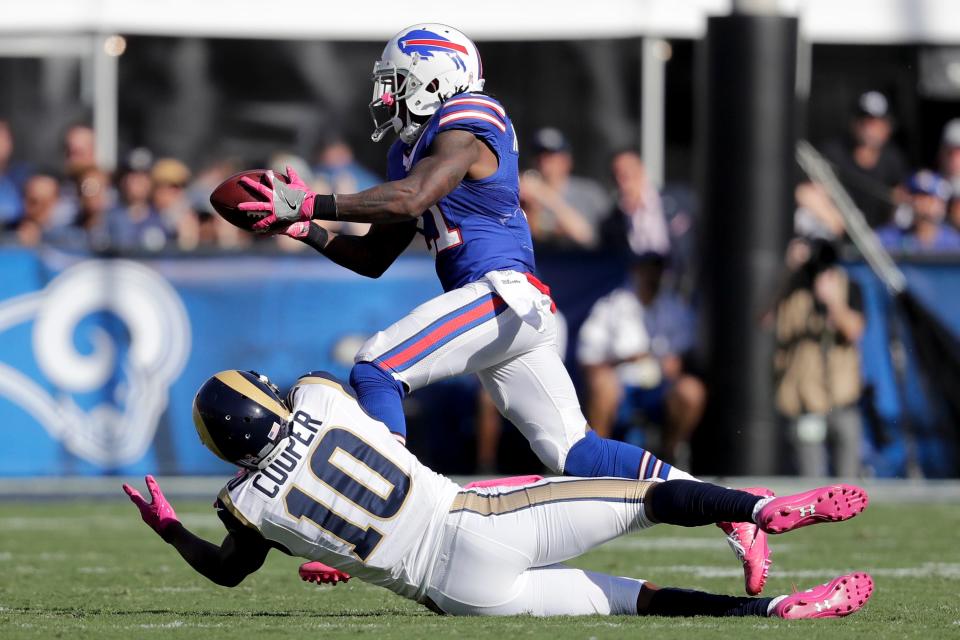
{"type": "Point", "coordinates": [501, 548]}
{"type": "Point", "coordinates": [473, 330]}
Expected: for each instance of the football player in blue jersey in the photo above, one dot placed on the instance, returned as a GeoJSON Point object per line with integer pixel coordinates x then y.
{"type": "Point", "coordinates": [453, 178]}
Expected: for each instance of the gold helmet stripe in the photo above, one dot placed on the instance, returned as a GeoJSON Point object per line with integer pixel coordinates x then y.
{"type": "Point", "coordinates": [238, 383]}
{"type": "Point", "coordinates": [204, 433]}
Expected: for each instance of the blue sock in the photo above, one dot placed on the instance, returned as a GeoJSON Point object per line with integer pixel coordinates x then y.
{"type": "Point", "coordinates": [686, 602]}
{"type": "Point", "coordinates": [380, 395]}
{"type": "Point", "coordinates": [593, 457]}
{"type": "Point", "coordinates": [689, 503]}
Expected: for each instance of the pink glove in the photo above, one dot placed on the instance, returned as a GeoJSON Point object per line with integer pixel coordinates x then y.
{"type": "Point", "coordinates": [288, 200]}
{"type": "Point", "coordinates": [158, 514]}
{"type": "Point", "coordinates": [320, 573]}
{"type": "Point", "coordinates": [513, 481]}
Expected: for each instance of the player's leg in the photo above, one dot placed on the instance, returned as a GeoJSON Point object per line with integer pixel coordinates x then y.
{"type": "Point", "coordinates": [555, 590]}
{"type": "Point", "coordinates": [441, 338]}
{"type": "Point", "coordinates": [559, 590]}
{"type": "Point", "coordinates": [492, 536]}
{"type": "Point", "coordinates": [839, 597]}
{"type": "Point", "coordinates": [534, 391]}
{"type": "Point", "coordinates": [557, 519]}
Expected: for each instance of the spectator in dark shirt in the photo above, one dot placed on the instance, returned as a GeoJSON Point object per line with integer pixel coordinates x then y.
{"type": "Point", "coordinates": [40, 196]}
{"type": "Point", "coordinates": [89, 229]}
{"type": "Point", "coordinates": [637, 223]}
{"type": "Point", "coordinates": [170, 200]}
{"type": "Point", "coordinates": [929, 194]}
{"type": "Point", "coordinates": [867, 162]}
{"type": "Point", "coordinates": [949, 159]}
{"type": "Point", "coordinates": [11, 207]}
{"type": "Point", "coordinates": [135, 223]}
{"type": "Point", "coordinates": [78, 157]}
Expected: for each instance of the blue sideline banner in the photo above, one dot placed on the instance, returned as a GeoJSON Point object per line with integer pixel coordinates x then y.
{"type": "Point", "coordinates": [100, 358]}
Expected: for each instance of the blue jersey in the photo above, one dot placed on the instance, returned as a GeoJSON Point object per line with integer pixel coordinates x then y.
{"type": "Point", "coordinates": [479, 226]}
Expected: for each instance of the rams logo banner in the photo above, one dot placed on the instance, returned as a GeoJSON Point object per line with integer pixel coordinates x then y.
{"type": "Point", "coordinates": [108, 338]}
{"type": "Point", "coordinates": [100, 358]}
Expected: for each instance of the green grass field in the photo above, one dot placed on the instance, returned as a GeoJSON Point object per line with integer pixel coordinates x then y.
{"type": "Point", "coordinates": [91, 569]}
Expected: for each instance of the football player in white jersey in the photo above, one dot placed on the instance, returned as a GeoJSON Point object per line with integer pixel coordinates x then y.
{"type": "Point", "coordinates": [323, 480]}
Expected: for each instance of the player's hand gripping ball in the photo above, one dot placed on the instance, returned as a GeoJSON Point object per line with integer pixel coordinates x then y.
{"type": "Point", "coordinates": [263, 201]}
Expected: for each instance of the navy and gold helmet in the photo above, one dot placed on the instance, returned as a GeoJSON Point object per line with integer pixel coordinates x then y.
{"type": "Point", "coordinates": [240, 417]}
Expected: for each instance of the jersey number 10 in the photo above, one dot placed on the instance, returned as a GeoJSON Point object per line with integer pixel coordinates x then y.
{"type": "Point", "coordinates": [379, 501]}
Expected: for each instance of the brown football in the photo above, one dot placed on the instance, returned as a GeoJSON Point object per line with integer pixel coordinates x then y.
{"type": "Point", "coordinates": [230, 193]}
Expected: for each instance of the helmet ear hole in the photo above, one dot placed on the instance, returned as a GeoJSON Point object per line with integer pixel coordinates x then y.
{"type": "Point", "coordinates": [433, 87]}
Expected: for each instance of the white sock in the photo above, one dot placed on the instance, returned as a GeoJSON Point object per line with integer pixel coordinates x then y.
{"type": "Point", "coordinates": [760, 505]}
{"type": "Point", "coordinates": [677, 474]}
{"type": "Point", "coordinates": [773, 605]}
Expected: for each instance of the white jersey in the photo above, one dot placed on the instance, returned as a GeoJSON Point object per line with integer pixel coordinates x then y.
{"type": "Point", "coordinates": [346, 493]}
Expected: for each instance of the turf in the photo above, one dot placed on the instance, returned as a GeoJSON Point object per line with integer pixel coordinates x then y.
{"type": "Point", "coordinates": [93, 570]}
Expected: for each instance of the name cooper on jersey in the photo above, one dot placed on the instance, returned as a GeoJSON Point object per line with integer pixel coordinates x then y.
{"type": "Point", "coordinates": [269, 480]}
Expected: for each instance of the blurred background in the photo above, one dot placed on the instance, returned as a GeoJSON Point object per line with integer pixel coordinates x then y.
{"type": "Point", "coordinates": [716, 310]}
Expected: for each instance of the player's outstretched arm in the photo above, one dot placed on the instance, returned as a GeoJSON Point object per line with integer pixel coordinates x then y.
{"type": "Point", "coordinates": [226, 565]}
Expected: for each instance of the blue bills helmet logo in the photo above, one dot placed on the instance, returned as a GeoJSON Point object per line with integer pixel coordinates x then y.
{"type": "Point", "coordinates": [426, 43]}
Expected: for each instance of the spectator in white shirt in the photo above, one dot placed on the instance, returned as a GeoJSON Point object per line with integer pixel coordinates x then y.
{"type": "Point", "coordinates": [631, 348]}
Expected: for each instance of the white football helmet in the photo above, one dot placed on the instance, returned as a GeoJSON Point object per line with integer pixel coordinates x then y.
{"type": "Point", "coordinates": [420, 67]}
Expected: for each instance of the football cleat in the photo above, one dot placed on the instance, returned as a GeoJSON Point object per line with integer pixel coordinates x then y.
{"type": "Point", "coordinates": [834, 503]}
{"type": "Point", "coordinates": [319, 573]}
{"type": "Point", "coordinates": [835, 599]}
{"type": "Point", "coordinates": [749, 544]}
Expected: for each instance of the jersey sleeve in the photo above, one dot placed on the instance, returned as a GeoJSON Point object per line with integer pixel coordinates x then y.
{"type": "Point", "coordinates": [230, 516]}
{"type": "Point", "coordinates": [237, 525]}
{"type": "Point", "coordinates": [480, 115]}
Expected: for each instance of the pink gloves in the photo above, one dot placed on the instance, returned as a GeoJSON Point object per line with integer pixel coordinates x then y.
{"type": "Point", "coordinates": [158, 514]}
{"type": "Point", "coordinates": [288, 200]}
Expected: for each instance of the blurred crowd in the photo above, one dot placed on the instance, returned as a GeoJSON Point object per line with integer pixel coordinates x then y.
{"type": "Point", "coordinates": [633, 349]}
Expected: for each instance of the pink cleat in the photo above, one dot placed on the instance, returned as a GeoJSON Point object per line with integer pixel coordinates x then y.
{"type": "Point", "coordinates": [839, 597]}
{"type": "Point", "coordinates": [749, 544]}
{"type": "Point", "coordinates": [835, 503]}
{"type": "Point", "coordinates": [319, 573]}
